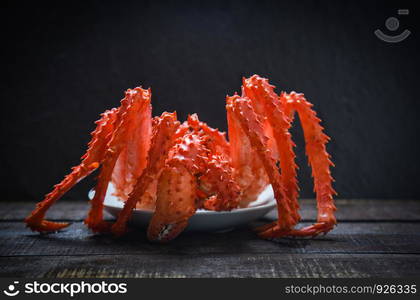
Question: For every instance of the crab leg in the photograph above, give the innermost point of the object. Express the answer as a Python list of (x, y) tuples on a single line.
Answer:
[(240, 112), (248, 173), (266, 103), (136, 104), (319, 160), (163, 138), (90, 162), (133, 157)]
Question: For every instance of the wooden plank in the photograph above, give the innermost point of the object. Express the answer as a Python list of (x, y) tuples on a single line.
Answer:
[(62, 210), (16, 240), (364, 210), (241, 265), (348, 210)]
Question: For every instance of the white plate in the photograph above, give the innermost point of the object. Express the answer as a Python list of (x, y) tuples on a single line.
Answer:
[(202, 220)]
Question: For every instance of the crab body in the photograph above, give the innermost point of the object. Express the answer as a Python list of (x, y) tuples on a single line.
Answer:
[(176, 168)]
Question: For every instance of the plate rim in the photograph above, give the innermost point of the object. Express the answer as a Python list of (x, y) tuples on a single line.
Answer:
[(116, 204)]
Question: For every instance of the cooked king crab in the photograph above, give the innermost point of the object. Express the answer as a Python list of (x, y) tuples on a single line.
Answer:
[(175, 169)]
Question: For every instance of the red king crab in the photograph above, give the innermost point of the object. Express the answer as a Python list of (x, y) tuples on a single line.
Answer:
[(174, 169)]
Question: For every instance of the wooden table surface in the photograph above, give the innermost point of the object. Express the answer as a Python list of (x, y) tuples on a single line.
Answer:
[(374, 238)]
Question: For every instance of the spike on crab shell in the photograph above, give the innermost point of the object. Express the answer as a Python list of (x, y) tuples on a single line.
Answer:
[(193, 119), (218, 179), (216, 140)]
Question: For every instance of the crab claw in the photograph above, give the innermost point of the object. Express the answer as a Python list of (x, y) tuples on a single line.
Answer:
[(175, 204), (177, 188)]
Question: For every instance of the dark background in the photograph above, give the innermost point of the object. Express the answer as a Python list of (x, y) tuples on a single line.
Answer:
[(65, 63)]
